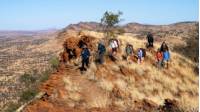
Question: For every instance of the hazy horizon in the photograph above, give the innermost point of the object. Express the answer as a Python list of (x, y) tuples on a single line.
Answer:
[(41, 15), (32, 30)]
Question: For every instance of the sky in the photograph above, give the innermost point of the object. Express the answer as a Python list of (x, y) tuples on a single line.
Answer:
[(48, 14)]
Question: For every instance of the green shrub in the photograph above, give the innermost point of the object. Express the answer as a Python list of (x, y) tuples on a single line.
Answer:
[(28, 78), (12, 107), (45, 75), (28, 95), (54, 61)]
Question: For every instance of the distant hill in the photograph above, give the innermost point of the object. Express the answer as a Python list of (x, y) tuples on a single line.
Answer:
[(14, 34)]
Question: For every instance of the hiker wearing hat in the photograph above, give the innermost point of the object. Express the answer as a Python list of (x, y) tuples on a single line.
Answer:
[(101, 51), (85, 54)]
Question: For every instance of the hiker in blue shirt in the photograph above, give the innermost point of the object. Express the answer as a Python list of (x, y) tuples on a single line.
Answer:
[(101, 52), (85, 54)]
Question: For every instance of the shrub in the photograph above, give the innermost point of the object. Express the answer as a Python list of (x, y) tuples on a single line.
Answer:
[(28, 78), (54, 61), (28, 95), (12, 107)]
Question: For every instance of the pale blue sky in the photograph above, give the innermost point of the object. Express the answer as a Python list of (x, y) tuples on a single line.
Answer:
[(44, 14)]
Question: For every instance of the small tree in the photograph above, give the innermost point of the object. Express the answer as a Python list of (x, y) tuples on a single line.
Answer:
[(109, 21)]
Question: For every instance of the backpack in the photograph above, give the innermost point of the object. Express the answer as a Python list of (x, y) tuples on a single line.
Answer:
[(140, 53), (150, 37), (159, 56), (129, 49), (116, 42), (101, 48), (166, 55), (143, 52), (85, 53)]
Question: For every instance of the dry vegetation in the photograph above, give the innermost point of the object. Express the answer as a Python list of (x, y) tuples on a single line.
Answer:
[(22, 54), (120, 86)]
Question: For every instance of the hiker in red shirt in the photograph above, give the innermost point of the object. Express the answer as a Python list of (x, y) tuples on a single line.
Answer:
[(159, 58)]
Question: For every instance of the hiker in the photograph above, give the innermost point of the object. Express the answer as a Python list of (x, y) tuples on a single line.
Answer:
[(166, 57), (164, 47), (129, 51), (114, 46), (101, 51), (159, 58), (85, 54), (150, 40), (140, 55)]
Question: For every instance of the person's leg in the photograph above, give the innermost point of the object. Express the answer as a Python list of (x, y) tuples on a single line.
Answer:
[(160, 64), (83, 62), (113, 50), (157, 64), (167, 64), (148, 44), (101, 58), (163, 63), (139, 60), (87, 62), (151, 44)]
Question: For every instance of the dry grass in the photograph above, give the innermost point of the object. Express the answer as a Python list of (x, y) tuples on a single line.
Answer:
[(179, 82)]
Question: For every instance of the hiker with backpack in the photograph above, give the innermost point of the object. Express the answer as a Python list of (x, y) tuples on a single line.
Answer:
[(101, 51), (85, 54), (159, 58), (166, 55), (150, 40), (129, 51), (114, 46)]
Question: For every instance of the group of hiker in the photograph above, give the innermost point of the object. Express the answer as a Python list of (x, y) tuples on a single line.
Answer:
[(162, 55)]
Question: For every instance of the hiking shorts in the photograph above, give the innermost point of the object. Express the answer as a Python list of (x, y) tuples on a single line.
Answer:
[(114, 49)]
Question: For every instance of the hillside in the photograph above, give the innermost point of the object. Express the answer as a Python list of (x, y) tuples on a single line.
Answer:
[(119, 86), (27, 51), (20, 53)]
